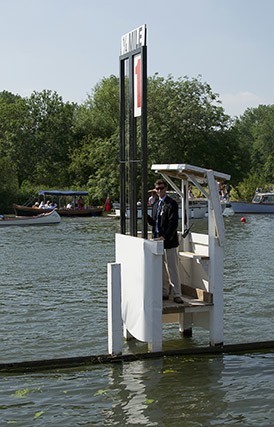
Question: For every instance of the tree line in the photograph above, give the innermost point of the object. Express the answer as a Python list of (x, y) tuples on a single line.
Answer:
[(46, 143)]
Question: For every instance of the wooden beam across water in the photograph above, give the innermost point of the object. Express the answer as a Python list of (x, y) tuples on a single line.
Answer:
[(88, 361)]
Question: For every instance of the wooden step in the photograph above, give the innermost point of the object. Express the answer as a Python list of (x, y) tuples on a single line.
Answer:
[(197, 294), (193, 255), (190, 305), (195, 299)]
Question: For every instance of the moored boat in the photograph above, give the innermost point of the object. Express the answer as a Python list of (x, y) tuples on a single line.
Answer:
[(262, 203), (46, 218), (23, 210), (198, 209), (67, 209)]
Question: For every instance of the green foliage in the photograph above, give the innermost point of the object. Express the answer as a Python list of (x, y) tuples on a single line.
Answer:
[(256, 139), (105, 180), (245, 190), (183, 117), (100, 112), (187, 124), (8, 184), (51, 122), (46, 143), (35, 134), (14, 132)]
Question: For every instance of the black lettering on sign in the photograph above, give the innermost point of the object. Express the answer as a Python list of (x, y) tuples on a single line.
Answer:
[(133, 40)]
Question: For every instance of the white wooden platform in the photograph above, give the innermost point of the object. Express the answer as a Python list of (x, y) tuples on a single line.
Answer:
[(139, 286)]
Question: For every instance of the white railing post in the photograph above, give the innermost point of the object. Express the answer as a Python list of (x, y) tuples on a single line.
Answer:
[(216, 232), (115, 326)]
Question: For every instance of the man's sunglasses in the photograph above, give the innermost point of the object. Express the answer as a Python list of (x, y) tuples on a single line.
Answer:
[(159, 188)]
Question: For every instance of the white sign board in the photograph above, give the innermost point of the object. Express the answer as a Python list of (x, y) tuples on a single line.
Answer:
[(133, 40)]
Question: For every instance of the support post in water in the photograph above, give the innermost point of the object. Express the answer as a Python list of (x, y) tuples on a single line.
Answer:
[(115, 326)]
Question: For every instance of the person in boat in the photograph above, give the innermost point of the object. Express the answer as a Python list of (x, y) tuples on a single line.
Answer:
[(227, 192), (108, 204), (80, 203), (36, 205), (42, 205), (190, 193), (52, 205), (164, 222)]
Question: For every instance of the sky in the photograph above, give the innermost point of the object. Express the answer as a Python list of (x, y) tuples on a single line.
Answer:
[(69, 46)]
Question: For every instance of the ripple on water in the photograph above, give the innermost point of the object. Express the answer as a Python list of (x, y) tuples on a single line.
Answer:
[(55, 289)]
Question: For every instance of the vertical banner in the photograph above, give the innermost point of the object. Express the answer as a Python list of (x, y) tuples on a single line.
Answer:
[(137, 64)]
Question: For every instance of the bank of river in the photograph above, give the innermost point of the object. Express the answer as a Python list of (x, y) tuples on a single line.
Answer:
[(54, 304)]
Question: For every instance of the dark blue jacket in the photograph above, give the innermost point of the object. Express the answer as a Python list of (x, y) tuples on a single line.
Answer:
[(168, 222)]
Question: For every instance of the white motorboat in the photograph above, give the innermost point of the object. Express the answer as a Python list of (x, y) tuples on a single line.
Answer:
[(262, 203), (198, 209), (48, 218)]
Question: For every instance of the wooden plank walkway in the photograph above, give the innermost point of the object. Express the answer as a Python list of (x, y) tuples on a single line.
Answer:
[(190, 305)]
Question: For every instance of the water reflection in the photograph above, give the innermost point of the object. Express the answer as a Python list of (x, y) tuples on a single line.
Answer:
[(171, 390)]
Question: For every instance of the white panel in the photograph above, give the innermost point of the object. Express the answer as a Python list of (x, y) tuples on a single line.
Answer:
[(141, 283)]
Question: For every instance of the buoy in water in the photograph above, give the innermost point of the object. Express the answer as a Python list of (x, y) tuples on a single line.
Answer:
[(243, 219)]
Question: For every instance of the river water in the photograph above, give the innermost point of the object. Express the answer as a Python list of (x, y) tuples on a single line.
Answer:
[(54, 304)]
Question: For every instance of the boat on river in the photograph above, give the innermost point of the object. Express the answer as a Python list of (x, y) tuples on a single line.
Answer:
[(262, 203), (198, 208), (63, 209), (46, 218)]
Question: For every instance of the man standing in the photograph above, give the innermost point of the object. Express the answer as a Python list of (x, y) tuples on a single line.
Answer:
[(164, 223)]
